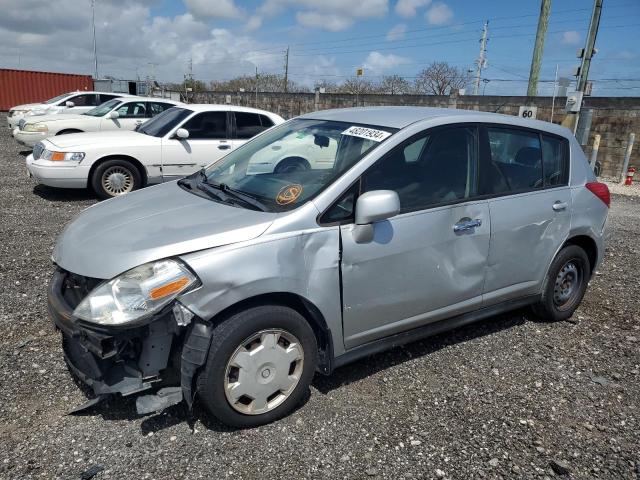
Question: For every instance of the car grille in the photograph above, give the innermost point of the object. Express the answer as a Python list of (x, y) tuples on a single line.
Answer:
[(21, 123), (37, 150)]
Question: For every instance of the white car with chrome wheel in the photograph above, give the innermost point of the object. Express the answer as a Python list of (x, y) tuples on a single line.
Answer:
[(172, 145), (125, 113), (72, 103)]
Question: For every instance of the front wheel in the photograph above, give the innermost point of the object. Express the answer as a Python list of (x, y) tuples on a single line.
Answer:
[(565, 284), (115, 177), (260, 364)]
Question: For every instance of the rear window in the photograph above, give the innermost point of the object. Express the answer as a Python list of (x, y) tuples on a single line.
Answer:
[(555, 157), (250, 124), (516, 160)]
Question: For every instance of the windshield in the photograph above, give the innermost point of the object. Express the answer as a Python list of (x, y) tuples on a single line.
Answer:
[(162, 124), (58, 98), (291, 163), (104, 108)]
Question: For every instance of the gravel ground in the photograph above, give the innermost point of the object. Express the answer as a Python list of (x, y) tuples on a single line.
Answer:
[(509, 397)]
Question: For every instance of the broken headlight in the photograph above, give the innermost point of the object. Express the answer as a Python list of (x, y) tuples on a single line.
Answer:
[(135, 293)]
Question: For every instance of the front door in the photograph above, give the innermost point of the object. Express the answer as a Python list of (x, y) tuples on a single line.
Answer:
[(427, 263), (130, 115), (526, 173), (207, 142)]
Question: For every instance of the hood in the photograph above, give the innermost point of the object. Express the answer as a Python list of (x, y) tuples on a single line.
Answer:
[(27, 106), (150, 224), (115, 139), (55, 117)]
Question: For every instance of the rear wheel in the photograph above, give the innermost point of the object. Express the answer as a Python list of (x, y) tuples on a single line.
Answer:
[(259, 366), (565, 284), (115, 177), (292, 164)]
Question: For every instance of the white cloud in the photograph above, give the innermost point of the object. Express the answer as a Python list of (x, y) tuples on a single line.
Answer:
[(332, 15), (377, 62), (325, 21), (397, 32), (407, 8), (254, 23), (213, 9), (128, 39), (571, 37), (439, 14)]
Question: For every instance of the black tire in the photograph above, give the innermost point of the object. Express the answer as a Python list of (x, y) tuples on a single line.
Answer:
[(229, 336), (292, 164), (66, 132), (104, 189), (571, 261)]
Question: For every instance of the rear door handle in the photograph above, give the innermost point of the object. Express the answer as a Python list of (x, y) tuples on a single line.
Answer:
[(559, 206), (466, 224), (224, 147)]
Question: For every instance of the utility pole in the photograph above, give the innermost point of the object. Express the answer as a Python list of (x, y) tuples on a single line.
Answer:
[(286, 70), (95, 50), (256, 86), (589, 49), (481, 62), (536, 60)]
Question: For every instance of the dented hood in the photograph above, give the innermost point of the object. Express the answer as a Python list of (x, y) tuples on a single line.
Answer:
[(149, 224)]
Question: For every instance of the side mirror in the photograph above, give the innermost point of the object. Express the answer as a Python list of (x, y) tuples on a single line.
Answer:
[(113, 114), (182, 133), (374, 207), (69, 104)]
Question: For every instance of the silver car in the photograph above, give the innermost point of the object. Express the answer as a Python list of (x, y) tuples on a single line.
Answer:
[(236, 284)]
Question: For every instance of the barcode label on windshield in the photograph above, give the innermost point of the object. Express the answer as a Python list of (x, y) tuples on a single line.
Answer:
[(368, 133)]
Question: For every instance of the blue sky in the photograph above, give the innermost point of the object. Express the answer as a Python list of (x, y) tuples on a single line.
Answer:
[(327, 39)]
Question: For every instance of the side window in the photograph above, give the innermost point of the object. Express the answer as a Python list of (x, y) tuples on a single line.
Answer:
[(207, 125), (516, 161), (133, 110), (343, 209), (554, 160), (105, 97), (428, 169), (84, 100), (266, 121), (248, 125), (158, 107)]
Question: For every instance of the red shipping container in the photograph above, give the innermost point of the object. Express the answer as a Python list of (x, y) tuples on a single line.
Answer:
[(24, 86)]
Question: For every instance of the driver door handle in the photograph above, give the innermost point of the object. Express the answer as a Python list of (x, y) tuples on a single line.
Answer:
[(224, 147), (559, 206), (466, 224)]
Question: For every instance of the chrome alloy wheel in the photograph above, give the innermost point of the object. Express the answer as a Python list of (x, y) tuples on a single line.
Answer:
[(263, 371), (567, 285), (117, 180)]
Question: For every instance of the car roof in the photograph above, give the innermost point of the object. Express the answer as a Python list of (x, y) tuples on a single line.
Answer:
[(401, 117), (148, 99), (207, 107)]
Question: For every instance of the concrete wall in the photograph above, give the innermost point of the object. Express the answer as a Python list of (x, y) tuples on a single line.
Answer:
[(613, 117)]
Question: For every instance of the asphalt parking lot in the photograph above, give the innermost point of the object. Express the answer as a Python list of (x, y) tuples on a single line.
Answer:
[(510, 397)]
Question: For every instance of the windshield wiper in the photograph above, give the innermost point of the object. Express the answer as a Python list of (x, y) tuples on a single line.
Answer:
[(228, 192)]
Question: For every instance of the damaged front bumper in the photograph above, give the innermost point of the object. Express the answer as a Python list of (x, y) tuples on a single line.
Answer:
[(127, 361)]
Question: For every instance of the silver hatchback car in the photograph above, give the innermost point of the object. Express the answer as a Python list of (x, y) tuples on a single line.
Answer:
[(383, 226)]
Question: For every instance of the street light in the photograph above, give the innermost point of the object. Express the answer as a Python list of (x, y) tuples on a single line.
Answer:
[(485, 81)]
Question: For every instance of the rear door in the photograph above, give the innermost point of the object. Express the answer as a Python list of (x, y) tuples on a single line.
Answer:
[(247, 125), (427, 263), (525, 175), (208, 142)]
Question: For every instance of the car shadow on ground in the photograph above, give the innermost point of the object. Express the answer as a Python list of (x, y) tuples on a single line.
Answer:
[(120, 408), (25, 153), (63, 194)]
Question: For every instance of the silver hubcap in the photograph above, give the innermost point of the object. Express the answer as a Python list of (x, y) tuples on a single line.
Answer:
[(117, 180), (567, 284), (263, 371)]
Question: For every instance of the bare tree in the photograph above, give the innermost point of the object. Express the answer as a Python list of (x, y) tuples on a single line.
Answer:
[(267, 82), (394, 84), (357, 85), (439, 78)]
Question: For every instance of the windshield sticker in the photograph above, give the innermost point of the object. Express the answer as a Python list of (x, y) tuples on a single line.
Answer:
[(368, 133), (288, 194)]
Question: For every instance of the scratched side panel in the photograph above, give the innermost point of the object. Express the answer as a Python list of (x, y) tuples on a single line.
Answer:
[(305, 263)]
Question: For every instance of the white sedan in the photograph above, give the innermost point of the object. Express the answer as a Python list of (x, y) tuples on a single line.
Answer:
[(174, 144), (73, 102), (125, 113)]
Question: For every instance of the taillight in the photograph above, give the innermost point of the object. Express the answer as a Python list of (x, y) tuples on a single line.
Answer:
[(601, 191)]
